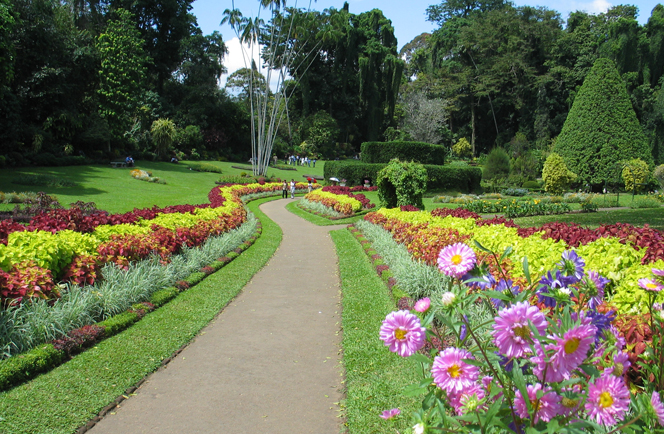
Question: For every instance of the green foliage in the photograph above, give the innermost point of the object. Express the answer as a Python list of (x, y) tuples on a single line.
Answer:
[(188, 138), (497, 165), (117, 323), (645, 202), (204, 167), (601, 128), (635, 172), (163, 133), (16, 370), (526, 166), (320, 132), (402, 183), (557, 177), (462, 148), (460, 178), (163, 296), (383, 152), (658, 174)]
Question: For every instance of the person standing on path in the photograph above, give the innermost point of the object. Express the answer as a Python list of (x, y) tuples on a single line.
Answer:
[(292, 189), (284, 190), (309, 186)]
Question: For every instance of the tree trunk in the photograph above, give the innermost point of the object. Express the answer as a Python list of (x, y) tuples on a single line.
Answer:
[(472, 122)]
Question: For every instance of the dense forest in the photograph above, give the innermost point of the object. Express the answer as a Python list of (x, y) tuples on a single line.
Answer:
[(89, 78)]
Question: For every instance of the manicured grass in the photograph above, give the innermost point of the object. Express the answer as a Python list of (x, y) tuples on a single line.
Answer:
[(67, 397), (637, 217), (114, 190), (375, 377)]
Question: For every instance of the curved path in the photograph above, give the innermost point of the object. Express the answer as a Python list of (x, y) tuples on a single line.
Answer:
[(269, 363)]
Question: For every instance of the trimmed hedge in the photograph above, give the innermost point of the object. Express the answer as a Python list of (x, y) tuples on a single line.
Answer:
[(465, 179), (383, 152)]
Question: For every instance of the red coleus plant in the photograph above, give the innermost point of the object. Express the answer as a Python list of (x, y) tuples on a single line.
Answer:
[(83, 270)]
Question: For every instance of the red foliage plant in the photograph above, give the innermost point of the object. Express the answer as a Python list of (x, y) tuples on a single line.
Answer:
[(76, 340), (83, 270)]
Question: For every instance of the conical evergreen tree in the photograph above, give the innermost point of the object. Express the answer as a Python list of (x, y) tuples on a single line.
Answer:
[(601, 128)]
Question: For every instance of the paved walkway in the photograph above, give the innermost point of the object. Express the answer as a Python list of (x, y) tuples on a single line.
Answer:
[(269, 363)]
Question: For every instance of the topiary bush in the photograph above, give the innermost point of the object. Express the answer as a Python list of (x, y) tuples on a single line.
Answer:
[(635, 173), (461, 148), (402, 183), (557, 177), (497, 165)]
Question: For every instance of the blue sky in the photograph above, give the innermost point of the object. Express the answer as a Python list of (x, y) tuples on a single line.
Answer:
[(408, 17)]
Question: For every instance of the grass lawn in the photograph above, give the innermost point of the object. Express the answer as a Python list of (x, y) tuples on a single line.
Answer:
[(67, 397), (114, 190), (637, 217)]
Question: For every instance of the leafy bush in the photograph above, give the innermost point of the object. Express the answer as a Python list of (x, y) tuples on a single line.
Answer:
[(384, 152), (526, 166), (43, 180), (204, 167), (555, 174), (514, 208), (497, 165), (589, 206), (658, 174), (533, 185), (635, 173), (515, 192), (402, 183), (458, 178), (462, 148)]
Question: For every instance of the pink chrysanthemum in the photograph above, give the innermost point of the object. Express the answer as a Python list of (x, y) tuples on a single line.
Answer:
[(422, 305), (512, 334), (658, 272), (403, 333), (456, 260), (650, 285), (571, 350), (390, 414), (620, 364), (658, 407), (451, 373), (468, 399), (544, 369), (545, 408), (608, 399)]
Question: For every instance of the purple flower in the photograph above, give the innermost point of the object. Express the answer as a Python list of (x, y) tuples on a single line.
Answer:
[(620, 364), (545, 408), (507, 287), (650, 285), (468, 399), (552, 285), (390, 414), (484, 281), (456, 260), (451, 373), (657, 406), (463, 330), (571, 349), (595, 285), (511, 332), (422, 305), (572, 266), (608, 399), (403, 333), (601, 321)]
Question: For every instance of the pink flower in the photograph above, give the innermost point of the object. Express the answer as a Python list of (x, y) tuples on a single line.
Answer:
[(545, 408), (658, 272), (650, 285), (402, 332), (511, 332), (390, 414), (468, 399), (422, 305), (608, 399), (544, 369), (456, 260), (451, 373), (571, 350), (620, 364), (656, 403)]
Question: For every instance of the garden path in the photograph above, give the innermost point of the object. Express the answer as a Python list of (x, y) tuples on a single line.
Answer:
[(269, 363)]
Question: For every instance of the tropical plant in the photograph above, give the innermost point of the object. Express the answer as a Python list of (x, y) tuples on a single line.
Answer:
[(163, 133)]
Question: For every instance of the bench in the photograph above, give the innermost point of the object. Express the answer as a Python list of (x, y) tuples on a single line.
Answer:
[(118, 164)]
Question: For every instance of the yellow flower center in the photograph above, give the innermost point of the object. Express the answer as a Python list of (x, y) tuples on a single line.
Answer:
[(537, 404), (522, 332), (400, 334), (456, 259), (651, 285), (454, 371), (618, 369), (605, 400), (568, 402), (572, 345)]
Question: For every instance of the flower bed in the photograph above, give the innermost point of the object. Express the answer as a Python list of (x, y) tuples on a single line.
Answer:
[(517, 208), (341, 199)]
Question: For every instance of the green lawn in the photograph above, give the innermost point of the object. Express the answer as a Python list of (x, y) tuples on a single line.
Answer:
[(114, 190)]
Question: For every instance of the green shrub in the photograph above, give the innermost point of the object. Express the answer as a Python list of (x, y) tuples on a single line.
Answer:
[(532, 185), (658, 174), (635, 172), (203, 167), (462, 148), (589, 206), (557, 177), (384, 152), (606, 201), (22, 367), (458, 178), (163, 296), (645, 202), (402, 183), (497, 165), (117, 323), (601, 127)]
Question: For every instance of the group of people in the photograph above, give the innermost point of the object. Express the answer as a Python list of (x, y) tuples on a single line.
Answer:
[(285, 187), (302, 161)]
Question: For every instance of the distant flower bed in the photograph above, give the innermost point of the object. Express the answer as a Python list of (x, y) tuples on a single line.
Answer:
[(340, 199), (517, 208), (144, 175)]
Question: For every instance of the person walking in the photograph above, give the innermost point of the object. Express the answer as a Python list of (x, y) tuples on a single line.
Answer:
[(284, 190), (292, 189), (310, 187)]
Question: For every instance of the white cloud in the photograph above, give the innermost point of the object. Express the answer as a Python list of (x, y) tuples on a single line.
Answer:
[(592, 7), (239, 56)]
